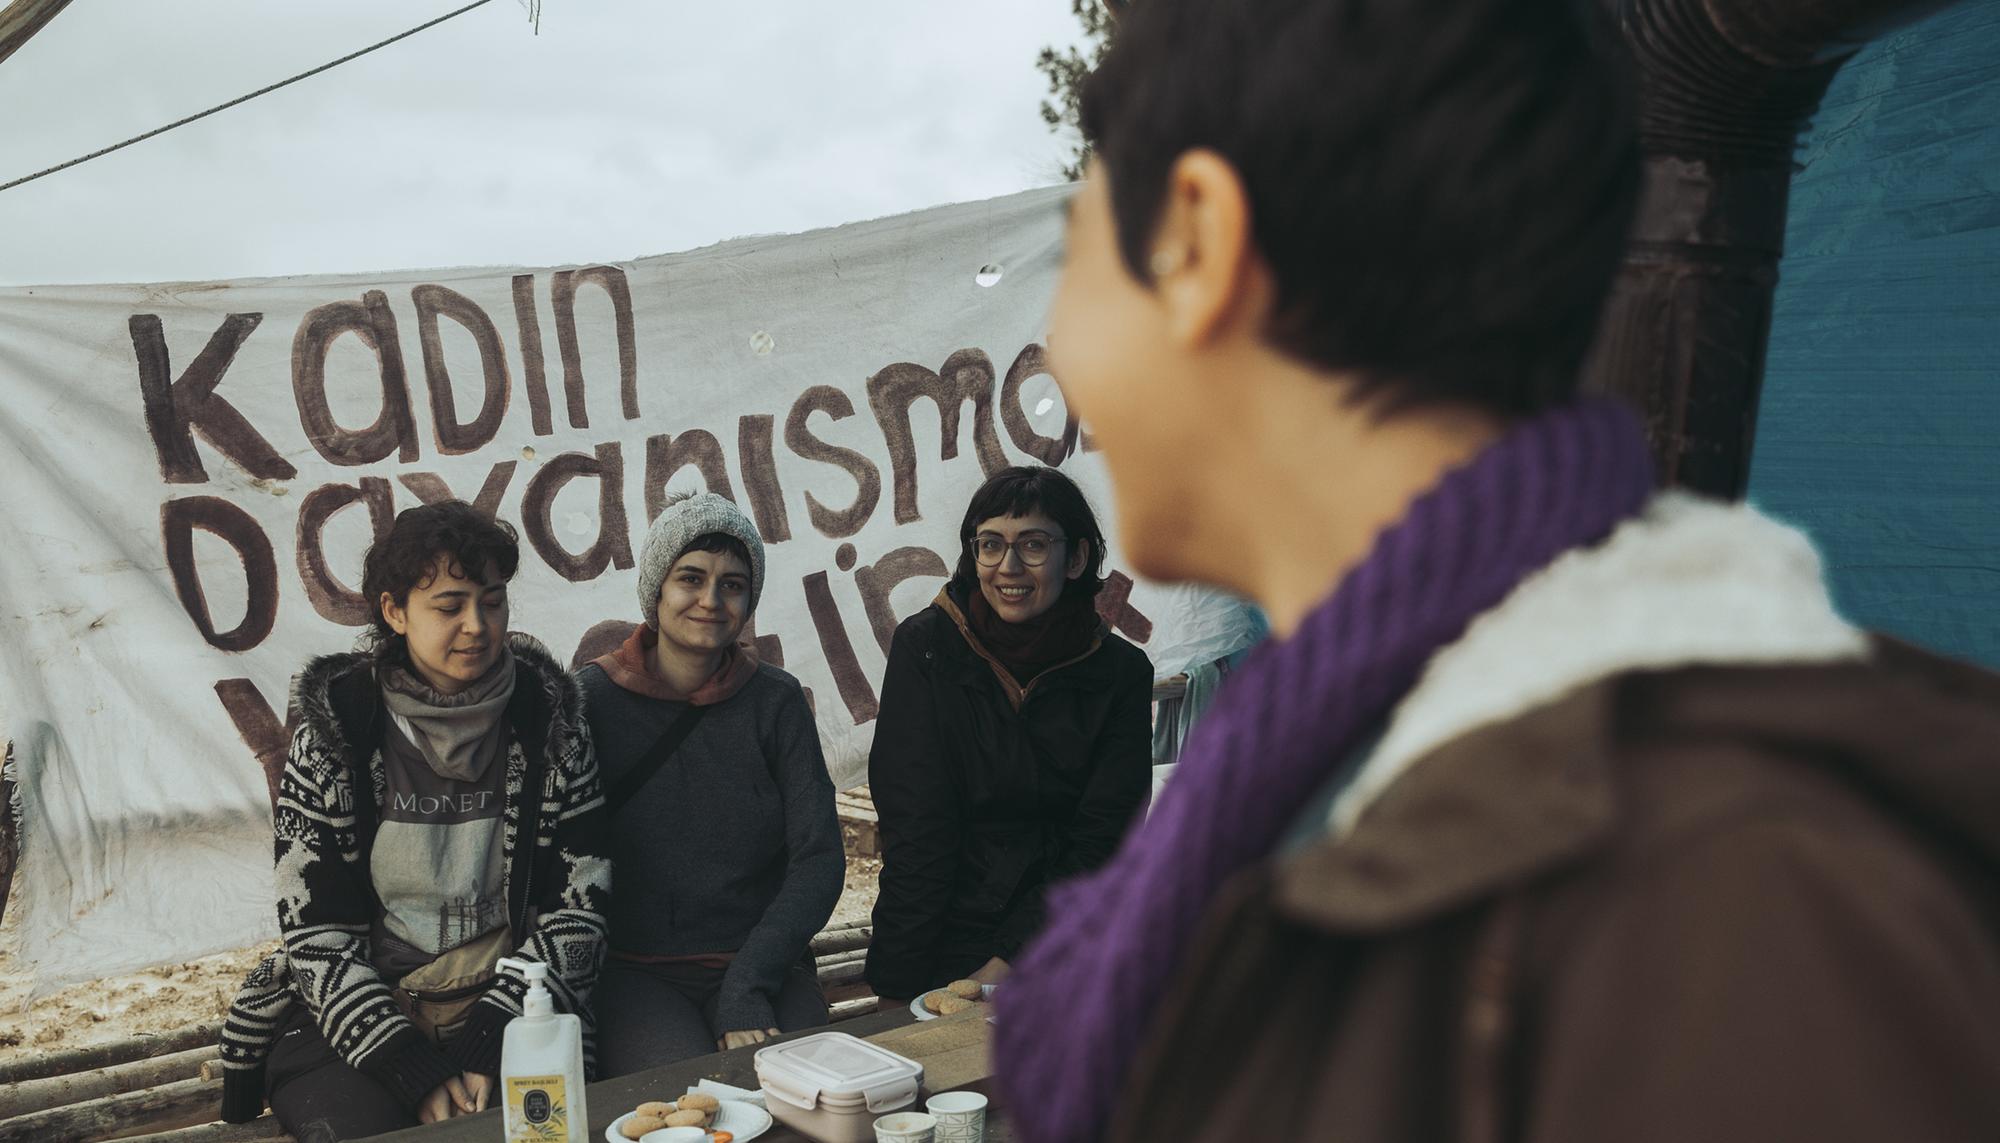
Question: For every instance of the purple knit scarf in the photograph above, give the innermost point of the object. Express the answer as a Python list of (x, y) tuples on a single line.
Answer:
[(1071, 1016)]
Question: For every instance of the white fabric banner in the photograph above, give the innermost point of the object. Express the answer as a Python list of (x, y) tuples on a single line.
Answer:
[(193, 471)]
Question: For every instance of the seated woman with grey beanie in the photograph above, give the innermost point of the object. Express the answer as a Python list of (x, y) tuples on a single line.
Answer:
[(722, 822)]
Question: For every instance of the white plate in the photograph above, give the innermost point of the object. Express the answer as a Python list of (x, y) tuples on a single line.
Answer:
[(746, 1121), (918, 1010)]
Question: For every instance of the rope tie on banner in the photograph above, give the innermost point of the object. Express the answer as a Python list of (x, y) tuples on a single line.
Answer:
[(535, 14)]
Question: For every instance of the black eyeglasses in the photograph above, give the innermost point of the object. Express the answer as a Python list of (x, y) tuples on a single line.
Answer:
[(1033, 549)]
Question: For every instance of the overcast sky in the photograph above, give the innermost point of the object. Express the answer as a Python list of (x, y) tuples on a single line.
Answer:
[(626, 128)]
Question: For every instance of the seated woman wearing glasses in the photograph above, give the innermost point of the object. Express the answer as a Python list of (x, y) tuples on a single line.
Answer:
[(1013, 745)]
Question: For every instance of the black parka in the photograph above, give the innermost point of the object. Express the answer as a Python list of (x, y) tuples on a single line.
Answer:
[(988, 791)]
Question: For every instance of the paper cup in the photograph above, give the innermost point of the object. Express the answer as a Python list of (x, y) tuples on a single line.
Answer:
[(906, 1127), (960, 1115), (674, 1135)]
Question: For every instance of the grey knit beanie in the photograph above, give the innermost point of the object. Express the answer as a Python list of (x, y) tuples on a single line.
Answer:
[(682, 524)]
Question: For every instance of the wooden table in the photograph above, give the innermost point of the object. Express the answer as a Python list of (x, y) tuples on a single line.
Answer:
[(952, 1050)]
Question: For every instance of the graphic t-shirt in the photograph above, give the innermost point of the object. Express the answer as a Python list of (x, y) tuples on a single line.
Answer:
[(437, 862)]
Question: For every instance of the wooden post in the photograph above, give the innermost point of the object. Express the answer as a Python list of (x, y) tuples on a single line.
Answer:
[(33, 1095), (841, 940), (842, 968), (181, 1104), (105, 1055), (10, 825), (847, 1008), (22, 19), (1725, 88)]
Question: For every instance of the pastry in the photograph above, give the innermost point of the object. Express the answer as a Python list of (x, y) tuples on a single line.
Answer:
[(952, 1005), (934, 998), (656, 1109), (966, 989), (640, 1124), (700, 1101), (687, 1117)]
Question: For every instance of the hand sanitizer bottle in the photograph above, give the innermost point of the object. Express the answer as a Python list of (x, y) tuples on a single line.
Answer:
[(541, 1066)]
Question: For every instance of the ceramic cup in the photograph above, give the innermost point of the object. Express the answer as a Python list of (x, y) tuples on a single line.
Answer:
[(960, 1115), (906, 1127)]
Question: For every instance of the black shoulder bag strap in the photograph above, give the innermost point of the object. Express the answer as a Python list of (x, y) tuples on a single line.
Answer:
[(669, 741), (531, 725), (357, 705)]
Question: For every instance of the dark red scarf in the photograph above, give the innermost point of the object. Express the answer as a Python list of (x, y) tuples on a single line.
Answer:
[(1054, 637)]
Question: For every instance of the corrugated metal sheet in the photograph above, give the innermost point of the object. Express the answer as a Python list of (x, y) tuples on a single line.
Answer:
[(1879, 427)]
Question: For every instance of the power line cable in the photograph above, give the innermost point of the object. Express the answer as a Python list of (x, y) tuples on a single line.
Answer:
[(246, 98)]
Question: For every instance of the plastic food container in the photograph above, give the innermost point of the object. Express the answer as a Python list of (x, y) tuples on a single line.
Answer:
[(832, 1086)]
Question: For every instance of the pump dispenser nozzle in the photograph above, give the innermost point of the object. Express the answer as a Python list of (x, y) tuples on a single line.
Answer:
[(538, 1003)]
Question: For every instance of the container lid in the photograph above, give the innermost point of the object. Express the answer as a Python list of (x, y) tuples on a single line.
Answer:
[(835, 1069)]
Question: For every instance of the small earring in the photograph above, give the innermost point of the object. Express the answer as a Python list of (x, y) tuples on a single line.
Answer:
[(1165, 262)]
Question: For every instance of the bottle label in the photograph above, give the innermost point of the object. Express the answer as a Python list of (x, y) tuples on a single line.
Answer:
[(537, 1109)]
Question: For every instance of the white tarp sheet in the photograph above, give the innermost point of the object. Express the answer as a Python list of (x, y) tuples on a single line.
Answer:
[(192, 471)]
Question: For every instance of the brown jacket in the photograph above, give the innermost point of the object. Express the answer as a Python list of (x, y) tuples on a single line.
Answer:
[(1737, 903)]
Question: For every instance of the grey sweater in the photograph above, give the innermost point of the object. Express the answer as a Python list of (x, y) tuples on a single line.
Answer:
[(733, 846)]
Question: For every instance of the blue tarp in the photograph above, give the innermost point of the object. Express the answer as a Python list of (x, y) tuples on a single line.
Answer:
[(1879, 428)]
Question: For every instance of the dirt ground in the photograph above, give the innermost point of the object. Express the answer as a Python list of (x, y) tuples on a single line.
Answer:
[(173, 997)]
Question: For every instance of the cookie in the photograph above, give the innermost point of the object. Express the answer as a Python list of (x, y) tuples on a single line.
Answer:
[(952, 1005), (640, 1124), (966, 989), (687, 1117), (700, 1101), (933, 999), (655, 1109)]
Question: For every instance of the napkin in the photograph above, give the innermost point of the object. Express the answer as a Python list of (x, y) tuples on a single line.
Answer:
[(729, 1091)]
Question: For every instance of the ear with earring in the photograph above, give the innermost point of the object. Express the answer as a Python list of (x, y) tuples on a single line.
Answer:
[(1165, 262)]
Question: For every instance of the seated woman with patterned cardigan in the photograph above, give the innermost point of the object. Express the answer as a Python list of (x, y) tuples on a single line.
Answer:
[(440, 809)]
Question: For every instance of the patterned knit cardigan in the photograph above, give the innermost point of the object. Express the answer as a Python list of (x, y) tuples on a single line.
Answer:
[(558, 897)]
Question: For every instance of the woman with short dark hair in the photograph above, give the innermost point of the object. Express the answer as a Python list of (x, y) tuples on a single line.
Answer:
[(1014, 743), (1556, 810), (440, 809)]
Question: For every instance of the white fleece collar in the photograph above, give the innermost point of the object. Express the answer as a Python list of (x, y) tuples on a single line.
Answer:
[(1688, 582)]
